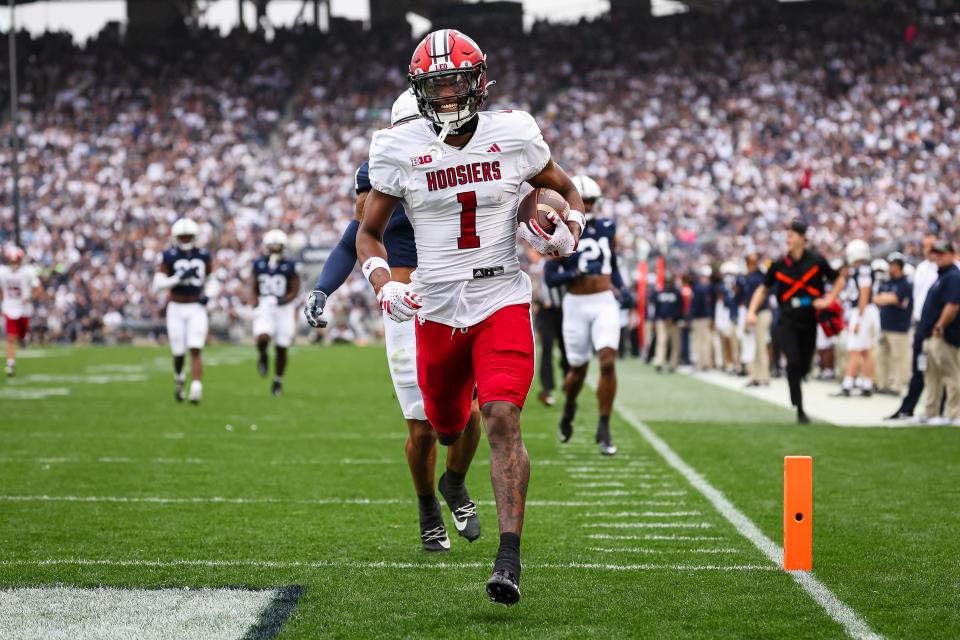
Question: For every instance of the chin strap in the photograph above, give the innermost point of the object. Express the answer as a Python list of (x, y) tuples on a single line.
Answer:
[(435, 148)]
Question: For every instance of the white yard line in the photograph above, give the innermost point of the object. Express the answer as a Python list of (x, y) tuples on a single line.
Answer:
[(615, 476), (648, 525), (607, 536), (598, 485), (306, 501), (277, 564), (850, 620), (644, 514), (665, 551), (216, 461)]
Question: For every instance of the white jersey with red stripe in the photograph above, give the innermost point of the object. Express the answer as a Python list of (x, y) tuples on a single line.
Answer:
[(17, 285), (462, 204)]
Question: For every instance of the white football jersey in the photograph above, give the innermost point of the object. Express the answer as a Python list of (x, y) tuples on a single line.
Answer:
[(462, 204), (17, 285)]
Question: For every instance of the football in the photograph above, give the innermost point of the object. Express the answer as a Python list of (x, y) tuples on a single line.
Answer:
[(537, 204)]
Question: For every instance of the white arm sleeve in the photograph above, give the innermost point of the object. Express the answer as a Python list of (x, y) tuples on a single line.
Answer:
[(162, 281), (386, 172), (536, 153)]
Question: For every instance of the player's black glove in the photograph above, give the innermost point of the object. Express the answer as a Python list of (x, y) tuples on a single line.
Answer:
[(313, 310)]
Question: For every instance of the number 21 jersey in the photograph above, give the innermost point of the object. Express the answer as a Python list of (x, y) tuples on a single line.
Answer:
[(462, 204)]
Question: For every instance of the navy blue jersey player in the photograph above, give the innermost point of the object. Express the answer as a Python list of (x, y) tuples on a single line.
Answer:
[(591, 313), (275, 287), (401, 357), (183, 270)]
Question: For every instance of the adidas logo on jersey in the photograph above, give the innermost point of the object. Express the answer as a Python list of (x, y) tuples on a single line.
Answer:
[(494, 148), (486, 272)]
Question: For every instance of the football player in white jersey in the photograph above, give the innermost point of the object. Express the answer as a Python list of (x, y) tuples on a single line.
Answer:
[(401, 343), (276, 284), (18, 283), (458, 173), (183, 270)]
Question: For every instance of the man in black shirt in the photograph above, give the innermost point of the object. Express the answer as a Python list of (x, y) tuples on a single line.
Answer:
[(799, 280)]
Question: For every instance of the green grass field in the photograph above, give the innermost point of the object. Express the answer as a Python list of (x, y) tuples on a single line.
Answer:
[(105, 481)]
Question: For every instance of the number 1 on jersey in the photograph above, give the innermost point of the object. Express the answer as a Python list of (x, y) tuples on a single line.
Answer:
[(468, 220)]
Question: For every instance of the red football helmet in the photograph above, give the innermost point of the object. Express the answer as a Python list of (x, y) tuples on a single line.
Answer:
[(448, 73), (14, 255)]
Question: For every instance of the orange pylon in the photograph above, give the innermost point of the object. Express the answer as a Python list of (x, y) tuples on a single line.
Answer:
[(798, 513)]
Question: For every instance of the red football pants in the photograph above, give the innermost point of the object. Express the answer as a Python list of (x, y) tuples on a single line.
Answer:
[(496, 356), (18, 327)]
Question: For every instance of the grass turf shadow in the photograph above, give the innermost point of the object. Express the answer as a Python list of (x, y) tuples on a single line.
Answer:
[(275, 614)]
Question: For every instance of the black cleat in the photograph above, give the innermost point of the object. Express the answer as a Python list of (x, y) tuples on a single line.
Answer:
[(178, 390), (262, 366), (434, 539), (802, 418), (866, 393), (503, 587), (11, 371), (566, 430), (277, 388), (843, 393), (433, 535), (899, 415), (463, 509)]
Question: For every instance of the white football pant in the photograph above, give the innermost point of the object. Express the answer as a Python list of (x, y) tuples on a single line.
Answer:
[(186, 326), (590, 323)]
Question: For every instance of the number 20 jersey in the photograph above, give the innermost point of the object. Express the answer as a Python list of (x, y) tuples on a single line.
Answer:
[(463, 208), (273, 279)]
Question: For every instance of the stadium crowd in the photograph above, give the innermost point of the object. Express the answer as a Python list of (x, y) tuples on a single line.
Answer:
[(705, 138)]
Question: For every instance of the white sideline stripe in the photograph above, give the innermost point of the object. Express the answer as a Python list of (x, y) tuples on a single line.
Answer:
[(607, 536), (349, 564), (852, 623), (646, 525), (315, 501)]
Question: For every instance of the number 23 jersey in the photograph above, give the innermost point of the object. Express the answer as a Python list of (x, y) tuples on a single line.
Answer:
[(462, 205), (193, 267)]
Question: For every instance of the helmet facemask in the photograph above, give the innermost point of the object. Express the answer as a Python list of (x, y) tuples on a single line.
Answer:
[(450, 97), (185, 242), (589, 208)]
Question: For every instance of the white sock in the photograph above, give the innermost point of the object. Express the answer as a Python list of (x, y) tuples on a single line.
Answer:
[(847, 383), (11, 362), (866, 384), (180, 377), (196, 385)]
